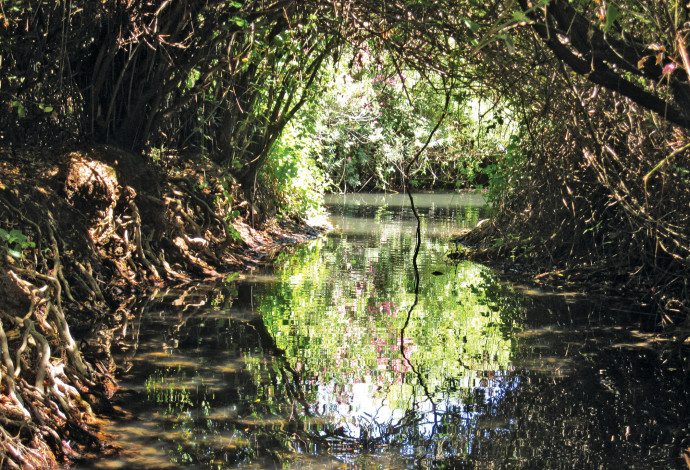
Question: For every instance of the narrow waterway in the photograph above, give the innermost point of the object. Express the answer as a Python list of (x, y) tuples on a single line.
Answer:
[(330, 360)]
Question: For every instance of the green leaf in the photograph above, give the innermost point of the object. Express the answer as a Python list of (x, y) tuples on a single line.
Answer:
[(4, 235), (508, 39), (520, 16), (474, 27), (612, 15), (48, 109), (14, 253), (16, 236)]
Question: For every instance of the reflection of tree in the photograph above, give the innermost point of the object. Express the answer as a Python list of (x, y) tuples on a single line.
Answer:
[(224, 389), (240, 389), (343, 364), (351, 319), (615, 408), (415, 268)]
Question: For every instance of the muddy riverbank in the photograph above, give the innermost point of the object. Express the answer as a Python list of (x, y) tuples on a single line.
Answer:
[(84, 233)]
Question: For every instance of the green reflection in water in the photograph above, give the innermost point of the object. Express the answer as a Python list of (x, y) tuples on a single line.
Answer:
[(331, 360), (489, 378), (326, 358), (341, 302)]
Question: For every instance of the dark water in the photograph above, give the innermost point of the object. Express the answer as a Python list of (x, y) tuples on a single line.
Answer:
[(331, 361)]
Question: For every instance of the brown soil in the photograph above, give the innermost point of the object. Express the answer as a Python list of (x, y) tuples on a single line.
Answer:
[(86, 231)]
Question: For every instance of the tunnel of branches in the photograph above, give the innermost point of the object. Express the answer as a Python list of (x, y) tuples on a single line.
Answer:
[(596, 187)]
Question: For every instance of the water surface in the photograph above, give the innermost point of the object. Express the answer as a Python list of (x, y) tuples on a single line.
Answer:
[(333, 359)]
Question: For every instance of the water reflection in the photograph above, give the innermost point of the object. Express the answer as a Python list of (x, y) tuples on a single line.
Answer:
[(305, 366)]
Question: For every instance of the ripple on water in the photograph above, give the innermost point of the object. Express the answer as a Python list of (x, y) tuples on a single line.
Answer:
[(330, 361)]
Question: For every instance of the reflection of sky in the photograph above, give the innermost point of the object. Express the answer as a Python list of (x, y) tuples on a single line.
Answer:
[(362, 407), (359, 407), (355, 406), (358, 373)]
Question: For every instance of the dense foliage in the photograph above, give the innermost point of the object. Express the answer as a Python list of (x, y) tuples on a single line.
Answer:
[(595, 176), (575, 114), (599, 184), (221, 77), (372, 118)]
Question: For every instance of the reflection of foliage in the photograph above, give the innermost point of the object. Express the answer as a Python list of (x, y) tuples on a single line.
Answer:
[(225, 400), (323, 371), (341, 303), (614, 408), (162, 388)]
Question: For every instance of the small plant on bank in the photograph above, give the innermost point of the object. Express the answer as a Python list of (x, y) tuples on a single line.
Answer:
[(225, 202), (15, 243)]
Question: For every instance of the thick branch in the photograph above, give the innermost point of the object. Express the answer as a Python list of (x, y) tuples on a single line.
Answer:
[(590, 62)]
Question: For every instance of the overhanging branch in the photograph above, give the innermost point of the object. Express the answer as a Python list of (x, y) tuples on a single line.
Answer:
[(597, 57)]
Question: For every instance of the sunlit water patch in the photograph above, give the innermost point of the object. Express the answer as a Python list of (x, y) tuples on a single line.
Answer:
[(342, 312), (333, 359)]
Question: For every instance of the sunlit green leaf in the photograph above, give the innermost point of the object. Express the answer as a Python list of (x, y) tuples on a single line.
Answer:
[(612, 15), (520, 16), (474, 27)]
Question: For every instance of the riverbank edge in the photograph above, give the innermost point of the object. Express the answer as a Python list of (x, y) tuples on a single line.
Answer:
[(617, 286), (86, 231)]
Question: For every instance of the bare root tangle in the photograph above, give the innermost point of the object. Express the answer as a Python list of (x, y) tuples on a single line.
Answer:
[(137, 240), (208, 212), (36, 349), (88, 275), (42, 369), (9, 377), (65, 288), (67, 295)]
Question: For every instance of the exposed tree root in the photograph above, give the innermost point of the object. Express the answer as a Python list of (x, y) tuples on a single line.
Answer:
[(99, 223)]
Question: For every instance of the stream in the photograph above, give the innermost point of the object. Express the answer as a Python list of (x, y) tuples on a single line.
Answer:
[(329, 360)]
